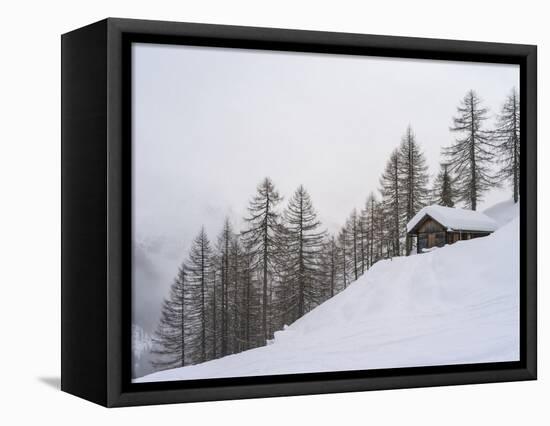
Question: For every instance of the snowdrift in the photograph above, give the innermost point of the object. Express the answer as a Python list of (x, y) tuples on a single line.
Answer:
[(455, 305)]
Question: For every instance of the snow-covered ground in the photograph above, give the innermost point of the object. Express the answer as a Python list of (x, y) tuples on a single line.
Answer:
[(503, 212), (457, 304)]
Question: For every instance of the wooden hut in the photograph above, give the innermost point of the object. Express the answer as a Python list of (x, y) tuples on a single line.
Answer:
[(435, 226)]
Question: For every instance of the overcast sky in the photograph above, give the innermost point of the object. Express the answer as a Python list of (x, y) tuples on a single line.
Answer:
[(210, 123)]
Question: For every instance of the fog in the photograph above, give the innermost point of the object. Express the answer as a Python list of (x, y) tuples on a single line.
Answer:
[(210, 123)]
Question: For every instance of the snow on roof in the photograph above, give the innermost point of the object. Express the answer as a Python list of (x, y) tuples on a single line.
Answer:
[(455, 219)]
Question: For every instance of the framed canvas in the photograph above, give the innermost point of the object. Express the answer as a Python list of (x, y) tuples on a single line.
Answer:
[(255, 212)]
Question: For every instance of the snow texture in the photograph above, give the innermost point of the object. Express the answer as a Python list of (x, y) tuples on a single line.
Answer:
[(503, 212), (456, 305), (455, 219)]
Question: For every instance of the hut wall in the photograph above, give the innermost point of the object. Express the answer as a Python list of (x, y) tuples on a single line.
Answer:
[(430, 226), (431, 234)]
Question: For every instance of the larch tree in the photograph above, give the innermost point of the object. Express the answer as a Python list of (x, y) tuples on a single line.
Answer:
[(413, 180), (370, 229), (248, 304), (444, 191), (329, 267), (261, 238), (353, 243), (363, 240), (213, 299), (507, 139), (169, 348), (200, 276), (471, 155), (223, 260), (283, 306), (235, 282), (382, 236), (343, 256), (392, 202), (304, 238)]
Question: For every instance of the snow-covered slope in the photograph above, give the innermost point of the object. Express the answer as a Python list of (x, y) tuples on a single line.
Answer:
[(503, 212), (457, 304)]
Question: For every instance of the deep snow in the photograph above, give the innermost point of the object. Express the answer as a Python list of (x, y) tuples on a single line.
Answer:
[(503, 212), (457, 304)]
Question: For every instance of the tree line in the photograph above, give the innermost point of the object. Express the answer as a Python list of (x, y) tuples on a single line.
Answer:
[(234, 293)]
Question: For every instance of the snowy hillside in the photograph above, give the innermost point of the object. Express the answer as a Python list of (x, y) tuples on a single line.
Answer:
[(504, 212), (457, 304)]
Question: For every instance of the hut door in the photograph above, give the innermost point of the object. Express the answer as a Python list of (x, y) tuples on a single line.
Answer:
[(431, 240)]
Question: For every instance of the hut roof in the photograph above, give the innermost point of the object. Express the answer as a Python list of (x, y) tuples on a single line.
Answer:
[(455, 219)]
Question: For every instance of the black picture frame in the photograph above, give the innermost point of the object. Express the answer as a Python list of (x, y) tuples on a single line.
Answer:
[(96, 211)]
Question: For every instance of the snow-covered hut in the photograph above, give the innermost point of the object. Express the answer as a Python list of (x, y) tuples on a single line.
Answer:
[(435, 226)]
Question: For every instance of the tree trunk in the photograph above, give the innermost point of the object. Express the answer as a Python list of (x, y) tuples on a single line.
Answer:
[(265, 258), (473, 188), (516, 162), (214, 325), (203, 311), (183, 323)]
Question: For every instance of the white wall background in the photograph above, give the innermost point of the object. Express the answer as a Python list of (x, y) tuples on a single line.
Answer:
[(30, 194)]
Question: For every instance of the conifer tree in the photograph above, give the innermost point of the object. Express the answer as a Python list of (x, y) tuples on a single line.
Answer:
[(248, 302), (261, 239), (371, 225), (471, 155), (353, 243), (169, 341), (343, 257), (214, 312), (235, 282), (200, 275), (224, 242), (444, 193), (392, 202), (304, 240), (284, 307), (413, 180), (329, 267), (363, 240), (382, 236), (507, 139)]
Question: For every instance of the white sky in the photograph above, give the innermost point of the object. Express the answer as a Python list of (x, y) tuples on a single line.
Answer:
[(210, 123)]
